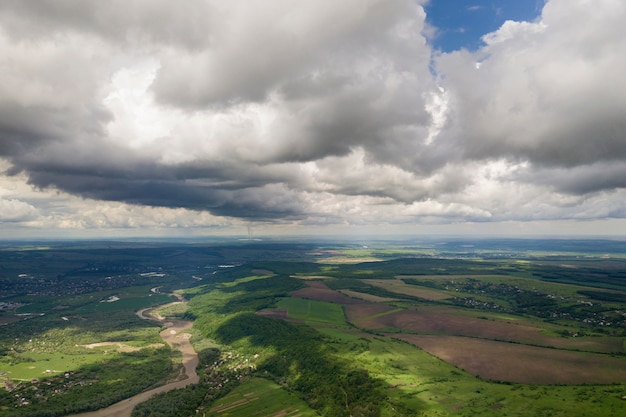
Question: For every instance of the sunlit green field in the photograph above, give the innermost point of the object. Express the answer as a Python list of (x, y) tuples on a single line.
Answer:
[(52, 342), (260, 397), (41, 365), (313, 312), (424, 382)]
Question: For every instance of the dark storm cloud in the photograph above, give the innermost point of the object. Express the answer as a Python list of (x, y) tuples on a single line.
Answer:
[(581, 180), (112, 173), (281, 109), (244, 203), (48, 92), (25, 130), (185, 23)]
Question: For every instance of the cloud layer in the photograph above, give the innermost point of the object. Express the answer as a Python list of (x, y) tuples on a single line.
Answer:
[(313, 112)]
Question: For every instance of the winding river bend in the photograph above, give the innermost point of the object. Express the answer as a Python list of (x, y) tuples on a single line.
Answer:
[(176, 336)]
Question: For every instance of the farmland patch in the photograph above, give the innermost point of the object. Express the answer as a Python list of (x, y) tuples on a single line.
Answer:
[(452, 322), (358, 312), (367, 297), (400, 287), (312, 312), (260, 397), (317, 290), (519, 363)]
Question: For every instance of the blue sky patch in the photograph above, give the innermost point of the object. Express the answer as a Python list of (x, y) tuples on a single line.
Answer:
[(462, 23)]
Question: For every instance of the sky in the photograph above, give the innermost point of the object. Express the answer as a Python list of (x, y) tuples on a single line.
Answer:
[(204, 117), (462, 23)]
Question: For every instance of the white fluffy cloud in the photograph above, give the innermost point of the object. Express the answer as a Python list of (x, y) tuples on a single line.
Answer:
[(16, 211), (551, 92), (200, 112)]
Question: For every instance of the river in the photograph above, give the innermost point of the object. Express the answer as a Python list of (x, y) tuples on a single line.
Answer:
[(176, 336)]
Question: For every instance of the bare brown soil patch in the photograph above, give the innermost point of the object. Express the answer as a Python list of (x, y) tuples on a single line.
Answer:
[(398, 286), (367, 297), (452, 322), (355, 313), (519, 363), (318, 284), (318, 291), (446, 322)]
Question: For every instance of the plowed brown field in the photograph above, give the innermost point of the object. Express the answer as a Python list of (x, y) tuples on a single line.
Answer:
[(319, 291), (519, 363), (451, 322), (512, 350)]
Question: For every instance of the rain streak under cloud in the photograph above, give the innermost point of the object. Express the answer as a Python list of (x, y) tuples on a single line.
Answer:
[(159, 116)]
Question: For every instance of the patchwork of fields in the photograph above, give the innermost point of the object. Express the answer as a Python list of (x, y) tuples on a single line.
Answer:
[(513, 350), (359, 332)]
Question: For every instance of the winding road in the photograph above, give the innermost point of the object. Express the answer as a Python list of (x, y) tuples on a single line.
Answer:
[(176, 336)]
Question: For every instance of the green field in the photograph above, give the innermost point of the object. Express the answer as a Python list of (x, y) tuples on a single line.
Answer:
[(313, 312), (40, 365), (426, 383), (260, 397)]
